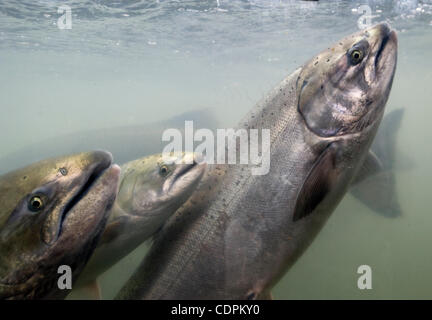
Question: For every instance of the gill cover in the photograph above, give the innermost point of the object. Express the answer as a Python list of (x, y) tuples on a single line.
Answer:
[(332, 99)]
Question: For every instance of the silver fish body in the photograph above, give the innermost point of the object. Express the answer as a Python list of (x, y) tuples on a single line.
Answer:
[(239, 233)]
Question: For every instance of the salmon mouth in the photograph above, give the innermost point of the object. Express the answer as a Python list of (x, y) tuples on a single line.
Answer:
[(95, 172), (190, 172), (385, 58)]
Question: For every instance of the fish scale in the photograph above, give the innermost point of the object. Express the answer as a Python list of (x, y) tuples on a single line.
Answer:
[(240, 233), (206, 228)]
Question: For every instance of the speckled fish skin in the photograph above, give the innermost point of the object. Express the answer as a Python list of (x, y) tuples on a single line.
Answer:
[(239, 233), (146, 199), (53, 213)]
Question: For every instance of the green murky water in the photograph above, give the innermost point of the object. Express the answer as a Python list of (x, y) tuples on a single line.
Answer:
[(132, 62)]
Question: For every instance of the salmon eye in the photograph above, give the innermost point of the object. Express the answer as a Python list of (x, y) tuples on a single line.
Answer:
[(163, 170), (356, 56), (35, 204)]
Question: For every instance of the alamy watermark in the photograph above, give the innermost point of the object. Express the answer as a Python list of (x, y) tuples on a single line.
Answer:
[(64, 22), (229, 145), (365, 280), (64, 282), (365, 20)]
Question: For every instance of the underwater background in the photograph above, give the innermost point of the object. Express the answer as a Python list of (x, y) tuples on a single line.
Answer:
[(127, 63)]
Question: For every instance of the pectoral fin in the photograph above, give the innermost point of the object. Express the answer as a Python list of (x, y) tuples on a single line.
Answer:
[(266, 296), (318, 183), (378, 192), (374, 184), (371, 166), (93, 291), (384, 144), (113, 229)]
